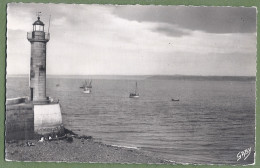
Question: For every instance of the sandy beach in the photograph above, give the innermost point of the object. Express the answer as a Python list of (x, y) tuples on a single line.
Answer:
[(77, 150)]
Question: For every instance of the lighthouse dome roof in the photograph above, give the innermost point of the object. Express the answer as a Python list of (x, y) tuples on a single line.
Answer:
[(38, 22)]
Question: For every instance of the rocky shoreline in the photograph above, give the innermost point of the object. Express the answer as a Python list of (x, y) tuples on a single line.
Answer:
[(75, 148)]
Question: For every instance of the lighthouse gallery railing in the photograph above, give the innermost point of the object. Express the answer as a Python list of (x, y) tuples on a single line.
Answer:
[(33, 35)]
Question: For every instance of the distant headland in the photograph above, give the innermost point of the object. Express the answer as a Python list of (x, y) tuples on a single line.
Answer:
[(151, 77), (201, 78)]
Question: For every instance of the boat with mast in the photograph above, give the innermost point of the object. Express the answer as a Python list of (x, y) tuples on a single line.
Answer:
[(87, 87), (135, 94)]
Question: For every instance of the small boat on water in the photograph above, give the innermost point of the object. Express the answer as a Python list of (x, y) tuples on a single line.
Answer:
[(57, 85), (175, 99), (87, 87), (135, 94), (86, 90)]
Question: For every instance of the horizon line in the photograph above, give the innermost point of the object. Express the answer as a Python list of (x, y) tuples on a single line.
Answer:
[(137, 75)]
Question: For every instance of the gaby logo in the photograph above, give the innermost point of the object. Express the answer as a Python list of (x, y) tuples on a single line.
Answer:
[(244, 154)]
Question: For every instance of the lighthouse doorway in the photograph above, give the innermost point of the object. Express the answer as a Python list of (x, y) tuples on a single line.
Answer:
[(31, 94)]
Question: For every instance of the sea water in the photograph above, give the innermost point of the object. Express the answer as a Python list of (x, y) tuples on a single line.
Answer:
[(210, 124)]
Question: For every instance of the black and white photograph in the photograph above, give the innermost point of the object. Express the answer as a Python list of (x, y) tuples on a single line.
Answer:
[(153, 84)]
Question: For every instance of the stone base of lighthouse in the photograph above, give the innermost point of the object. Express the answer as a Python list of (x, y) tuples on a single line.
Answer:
[(47, 118), (25, 120)]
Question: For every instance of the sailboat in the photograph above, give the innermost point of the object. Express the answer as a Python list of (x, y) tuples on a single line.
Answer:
[(87, 87), (135, 94)]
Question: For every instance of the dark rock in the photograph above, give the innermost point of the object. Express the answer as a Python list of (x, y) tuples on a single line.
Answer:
[(69, 139), (66, 131), (85, 137)]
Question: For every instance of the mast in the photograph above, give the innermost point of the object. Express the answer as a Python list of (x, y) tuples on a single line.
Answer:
[(86, 83), (49, 23), (135, 87), (90, 84)]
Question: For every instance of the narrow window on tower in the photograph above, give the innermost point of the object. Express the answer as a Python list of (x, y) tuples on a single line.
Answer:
[(41, 68), (32, 74)]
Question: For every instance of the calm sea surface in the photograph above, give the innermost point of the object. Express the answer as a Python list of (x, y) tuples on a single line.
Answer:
[(212, 122)]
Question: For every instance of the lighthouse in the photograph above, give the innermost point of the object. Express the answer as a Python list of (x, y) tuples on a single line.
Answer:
[(38, 39), (37, 113)]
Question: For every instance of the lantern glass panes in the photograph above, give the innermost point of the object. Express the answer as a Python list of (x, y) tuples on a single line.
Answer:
[(38, 28)]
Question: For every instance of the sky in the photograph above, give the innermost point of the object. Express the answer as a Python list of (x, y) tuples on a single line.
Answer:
[(136, 39)]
